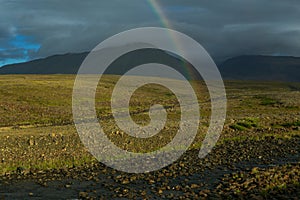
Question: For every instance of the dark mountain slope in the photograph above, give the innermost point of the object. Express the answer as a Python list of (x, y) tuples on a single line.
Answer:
[(270, 68), (70, 63), (251, 67), (57, 64)]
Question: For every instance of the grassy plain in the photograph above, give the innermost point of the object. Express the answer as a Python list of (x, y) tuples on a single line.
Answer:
[(37, 130), (36, 126)]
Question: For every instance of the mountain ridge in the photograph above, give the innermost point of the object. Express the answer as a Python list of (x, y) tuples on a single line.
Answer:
[(243, 67), (262, 67)]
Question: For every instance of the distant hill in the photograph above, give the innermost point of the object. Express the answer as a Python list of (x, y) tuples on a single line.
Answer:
[(70, 63), (269, 68), (250, 67), (57, 64)]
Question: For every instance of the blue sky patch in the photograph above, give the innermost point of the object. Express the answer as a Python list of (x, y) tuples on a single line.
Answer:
[(18, 49)]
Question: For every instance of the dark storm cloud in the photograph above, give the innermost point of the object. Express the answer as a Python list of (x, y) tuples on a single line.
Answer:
[(230, 28), (69, 26), (224, 28)]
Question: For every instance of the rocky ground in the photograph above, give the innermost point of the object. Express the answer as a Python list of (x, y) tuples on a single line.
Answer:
[(257, 169)]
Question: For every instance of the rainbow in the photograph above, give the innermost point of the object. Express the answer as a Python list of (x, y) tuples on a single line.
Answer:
[(160, 14), (157, 9)]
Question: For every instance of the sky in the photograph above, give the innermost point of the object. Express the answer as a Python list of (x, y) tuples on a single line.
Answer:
[(31, 29)]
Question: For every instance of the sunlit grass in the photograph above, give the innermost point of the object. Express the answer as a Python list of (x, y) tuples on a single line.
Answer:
[(37, 130)]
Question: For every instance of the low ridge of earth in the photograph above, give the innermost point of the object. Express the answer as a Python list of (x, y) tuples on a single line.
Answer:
[(42, 157)]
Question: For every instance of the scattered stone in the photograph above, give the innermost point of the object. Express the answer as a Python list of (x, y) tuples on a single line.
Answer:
[(31, 142), (83, 194)]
